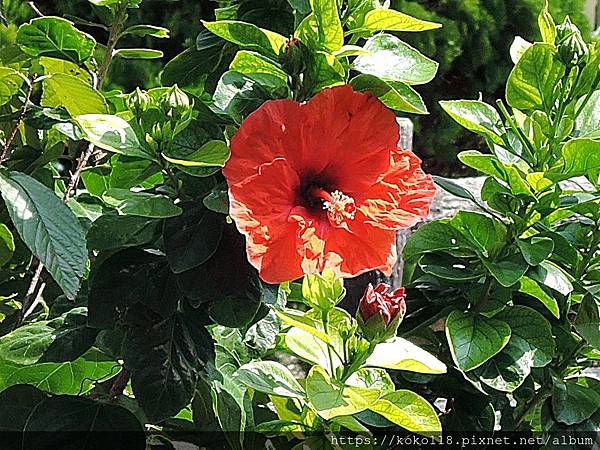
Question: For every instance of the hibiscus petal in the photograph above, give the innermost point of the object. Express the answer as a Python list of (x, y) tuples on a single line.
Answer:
[(403, 196)]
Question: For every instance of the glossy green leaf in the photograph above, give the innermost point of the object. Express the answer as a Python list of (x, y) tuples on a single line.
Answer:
[(394, 94), (250, 63), (400, 354), (532, 288), (573, 402), (247, 36), (531, 83), (581, 157), (474, 339), (331, 400), (552, 276), (536, 250), (530, 332), (587, 322), (373, 378), (143, 204), (10, 82), (138, 53), (410, 411), (331, 34), (113, 231), (147, 30), (476, 116), (508, 271), (392, 59), (192, 238), (382, 19), (211, 154), (271, 378), (486, 234), (75, 95), (111, 133), (48, 227), (587, 123), (547, 25), (488, 164), (57, 37), (69, 377), (435, 236), (508, 370)]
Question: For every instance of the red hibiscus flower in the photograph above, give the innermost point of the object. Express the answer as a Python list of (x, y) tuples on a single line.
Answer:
[(378, 300), (323, 184)]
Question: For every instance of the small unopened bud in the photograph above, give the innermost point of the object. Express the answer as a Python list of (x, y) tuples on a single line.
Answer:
[(572, 48), (293, 57), (138, 101), (174, 102), (380, 312)]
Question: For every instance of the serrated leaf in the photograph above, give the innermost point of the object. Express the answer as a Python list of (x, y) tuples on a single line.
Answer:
[(48, 227)]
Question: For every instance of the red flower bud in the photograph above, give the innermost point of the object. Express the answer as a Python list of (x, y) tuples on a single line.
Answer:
[(378, 300)]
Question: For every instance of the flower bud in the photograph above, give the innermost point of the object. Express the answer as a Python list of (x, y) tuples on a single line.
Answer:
[(572, 48), (174, 102), (138, 101), (323, 291), (292, 57), (380, 312)]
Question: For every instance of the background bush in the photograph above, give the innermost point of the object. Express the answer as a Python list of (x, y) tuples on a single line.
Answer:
[(472, 49)]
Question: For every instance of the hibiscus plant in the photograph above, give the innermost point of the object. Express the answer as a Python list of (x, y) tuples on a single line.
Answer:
[(166, 252), (512, 286)]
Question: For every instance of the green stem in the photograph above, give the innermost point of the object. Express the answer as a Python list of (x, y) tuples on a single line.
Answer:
[(581, 268), (113, 38), (520, 135), (325, 320)]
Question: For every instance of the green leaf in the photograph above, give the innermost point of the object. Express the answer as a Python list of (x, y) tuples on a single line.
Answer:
[(532, 288), (64, 338), (165, 365), (587, 322), (410, 411), (449, 268), (271, 378), (392, 59), (581, 157), (474, 339), (486, 234), (111, 133), (80, 418), (113, 231), (192, 238), (435, 236), (454, 188), (547, 25), (488, 164), (142, 204), (552, 276), (138, 53), (48, 227), (400, 354), (7, 244), (394, 94), (252, 63), (53, 66), (310, 348), (10, 83), (476, 116), (217, 200), (536, 250), (331, 400), (69, 377), (18, 401), (382, 19), (587, 123), (372, 378), (211, 154), (57, 37), (508, 271), (147, 30), (507, 370), (239, 95), (331, 34), (532, 81), (248, 36), (530, 332), (573, 402), (75, 95)]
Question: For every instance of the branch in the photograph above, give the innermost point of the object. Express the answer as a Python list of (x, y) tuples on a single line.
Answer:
[(31, 298), (6, 150)]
